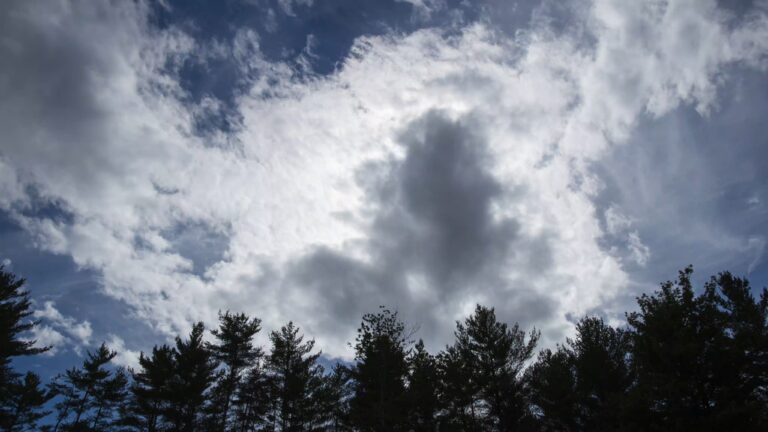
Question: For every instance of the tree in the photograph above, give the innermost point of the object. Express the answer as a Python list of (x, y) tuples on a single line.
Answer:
[(495, 356), (334, 398), (699, 361), (581, 386), (297, 381), (379, 402), (21, 400), (253, 400), (150, 390), (236, 352), (90, 395), (743, 394), (190, 382), (553, 390), (457, 392), (423, 404), (24, 402)]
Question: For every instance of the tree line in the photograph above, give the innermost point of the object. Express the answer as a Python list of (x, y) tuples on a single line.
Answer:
[(684, 361)]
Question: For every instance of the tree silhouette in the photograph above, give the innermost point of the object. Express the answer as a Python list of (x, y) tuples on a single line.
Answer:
[(334, 398), (423, 403), (686, 360), (150, 390), (253, 400), (553, 390), (297, 381), (188, 389), (234, 349), (581, 386), (493, 356), (23, 404), (699, 361), (14, 311), (379, 400), (91, 395)]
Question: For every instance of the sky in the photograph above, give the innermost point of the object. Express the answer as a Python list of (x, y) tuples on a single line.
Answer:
[(310, 160)]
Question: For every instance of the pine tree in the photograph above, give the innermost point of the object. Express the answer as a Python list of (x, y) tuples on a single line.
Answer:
[(553, 391), (235, 350), (150, 390), (297, 381), (188, 389), (252, 401), (742, 396), (334, 398), (379, 402), (699, 361), (90, 395), (24, 402), (495, 355), (457, 394), (599, 354), (581, 386), (423, 404), (21, 400)]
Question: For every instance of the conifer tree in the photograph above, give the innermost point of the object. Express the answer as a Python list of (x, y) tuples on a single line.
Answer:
[(694, 369), (582, 385), (21, 400), (252, 401), (553, 390), (496, 356), (90, 395), (150, 390), (379, 402), (297, 381), (334, 398), (600, 354), (423, 404), (24, 402), (235, 351), (457, 395), (188, 389)]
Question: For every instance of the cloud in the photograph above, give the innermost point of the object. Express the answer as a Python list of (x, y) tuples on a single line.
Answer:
[(45, 336), (58, 330), (431, 171), (125, 357)]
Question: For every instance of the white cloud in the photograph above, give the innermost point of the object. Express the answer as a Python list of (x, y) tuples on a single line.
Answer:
[(55, 326), (46, 337), (122, 158), (125, 357), (288, 5)]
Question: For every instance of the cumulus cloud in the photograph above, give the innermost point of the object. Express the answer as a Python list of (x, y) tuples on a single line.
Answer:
[(58, 331), (46, 337), (125, 357), (432, 171)]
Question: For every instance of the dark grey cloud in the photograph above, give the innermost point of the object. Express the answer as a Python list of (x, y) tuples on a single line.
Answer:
[(64, 103), (434, 238), (436, 213)]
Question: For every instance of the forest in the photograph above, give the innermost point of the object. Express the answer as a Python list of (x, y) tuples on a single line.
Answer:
[(687, 359)]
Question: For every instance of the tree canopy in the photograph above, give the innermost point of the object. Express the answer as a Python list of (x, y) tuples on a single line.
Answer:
[(685, 359)]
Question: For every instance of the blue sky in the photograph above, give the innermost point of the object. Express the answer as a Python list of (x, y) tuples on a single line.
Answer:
[(309, 160)]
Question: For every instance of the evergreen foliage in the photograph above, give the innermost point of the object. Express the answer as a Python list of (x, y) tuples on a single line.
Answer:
[(21, 399), (236, 353), (379, 401), (297, 382), (684, 361), (90, 395)]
